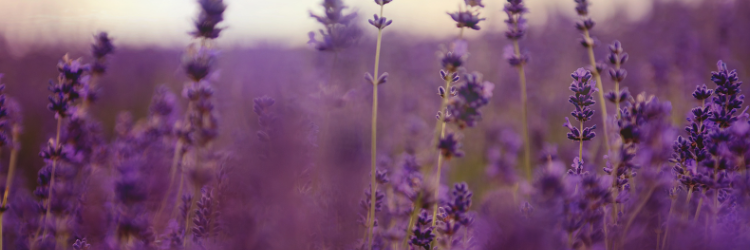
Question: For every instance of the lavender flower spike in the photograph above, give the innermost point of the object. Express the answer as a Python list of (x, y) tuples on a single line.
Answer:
[(516, 30), (581, 100), (380, 22), (585, 24)]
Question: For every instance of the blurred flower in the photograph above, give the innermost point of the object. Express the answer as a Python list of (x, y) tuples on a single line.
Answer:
[(466, 19), (212, 13)]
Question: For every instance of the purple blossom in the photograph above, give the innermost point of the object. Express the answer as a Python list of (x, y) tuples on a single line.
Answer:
[(466, 19)]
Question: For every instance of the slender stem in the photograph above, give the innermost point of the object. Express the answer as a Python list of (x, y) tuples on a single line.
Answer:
[(598, 77), (524, 113), (617, 92), (414, 214), (666, 230), (16, 130), (687, 199), (373, 138), (580, 145), (698, 209), (9, 181), (173, 172), (448, 81), (52, 177), (636, 212)]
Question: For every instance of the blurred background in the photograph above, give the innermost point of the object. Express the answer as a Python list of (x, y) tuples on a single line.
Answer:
[(673, 46)]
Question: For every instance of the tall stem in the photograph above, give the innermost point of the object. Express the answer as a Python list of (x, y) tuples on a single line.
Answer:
[(414, 214), (687, 200), (443, 107), (666, 230), (16, 130), (698, 209), (52, 177), (598, 78), (636, 212), (9, 181), (373, 138), (173, 172), (580, 145), (524, 113)]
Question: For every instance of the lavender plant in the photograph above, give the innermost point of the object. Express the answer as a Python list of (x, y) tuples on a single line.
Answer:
[(379, 22), (165, 175), (516, 31), (585, 24)]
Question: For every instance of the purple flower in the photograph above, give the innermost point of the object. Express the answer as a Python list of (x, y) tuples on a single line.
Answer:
[(463, 108), (81, 244), (422, 234), (198, 62), (727, 96), (450, 147), (380, 22), (466, 19), (581, 100), (212, 13), (582, 7), (100, 49), (516, 22)]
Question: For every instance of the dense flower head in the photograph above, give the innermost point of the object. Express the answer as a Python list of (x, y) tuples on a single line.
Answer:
[(516, 22), (466, 19), (582, 99), (380, 22), (81, 244), (198, 62), (582, 7), (334, 13), (422, 234), (463, 108), (212, 13), (702, 92), (450, 147), (338, 32), (727, 99), (474, 3), (334, 38), (454, 214), (101, 47)]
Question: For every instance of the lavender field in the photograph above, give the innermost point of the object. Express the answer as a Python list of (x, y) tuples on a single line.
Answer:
[(583, 133)]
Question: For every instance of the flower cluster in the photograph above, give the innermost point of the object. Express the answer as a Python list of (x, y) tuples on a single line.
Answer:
[(422, 234), (463, 107), (338, 32), (454, 215), (212, 13), (581, 100)]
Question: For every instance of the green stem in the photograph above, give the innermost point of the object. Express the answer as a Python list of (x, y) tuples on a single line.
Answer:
[(687, 200), (177, 156), (446, 95), (580, 145), (414, 214), (9, 181), (598, 77), (373, 138), (698, 209), (666, 230), (636, 212), (524, 113), (52, 178)]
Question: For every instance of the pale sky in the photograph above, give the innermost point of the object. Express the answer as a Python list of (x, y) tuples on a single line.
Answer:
[(26, 23)]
